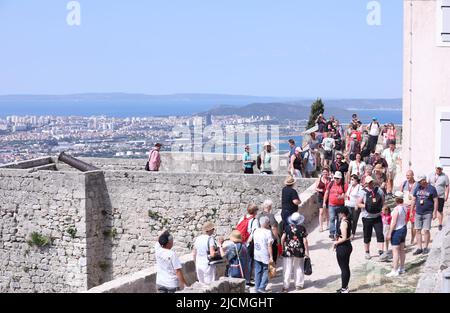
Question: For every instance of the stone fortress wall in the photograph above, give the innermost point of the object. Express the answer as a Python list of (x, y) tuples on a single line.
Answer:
[(116, 214)]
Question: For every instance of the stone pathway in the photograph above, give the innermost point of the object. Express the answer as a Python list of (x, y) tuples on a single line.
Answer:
[(367, 275)]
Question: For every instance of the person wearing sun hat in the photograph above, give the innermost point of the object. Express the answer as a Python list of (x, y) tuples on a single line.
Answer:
[(204, 246), (295, 249), (266, 159), (425, 202), (439, 180), (236, 254), (289, 199), (397, 235)]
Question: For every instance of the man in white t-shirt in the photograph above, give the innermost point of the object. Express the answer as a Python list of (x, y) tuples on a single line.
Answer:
[(169, 277), (374, 129), (205, 245), (328, 145), (263, 255), (391, 156)]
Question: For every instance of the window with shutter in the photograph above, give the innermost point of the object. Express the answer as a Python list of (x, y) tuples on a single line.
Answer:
[(445, 7), (444, 154)]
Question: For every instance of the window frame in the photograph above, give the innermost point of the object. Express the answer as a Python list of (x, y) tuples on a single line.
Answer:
[(442, 113), (440, 23)]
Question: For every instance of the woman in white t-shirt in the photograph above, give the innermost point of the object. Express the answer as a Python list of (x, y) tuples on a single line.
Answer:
[(397, 236), (356, 167), (205, 245), (351, 198), (263, 254)]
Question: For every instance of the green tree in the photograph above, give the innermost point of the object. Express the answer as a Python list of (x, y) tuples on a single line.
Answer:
[(317, 108)]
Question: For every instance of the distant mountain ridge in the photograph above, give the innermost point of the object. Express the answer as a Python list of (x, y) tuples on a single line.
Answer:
[(141, 105)]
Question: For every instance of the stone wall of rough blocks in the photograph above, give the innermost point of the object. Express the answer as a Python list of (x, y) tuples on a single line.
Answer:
[(49, 203), (186, 163), (145, 203)]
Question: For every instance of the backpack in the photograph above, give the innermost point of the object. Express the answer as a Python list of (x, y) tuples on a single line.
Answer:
[(373, 207), (243, 227), (259, 161), (356, 147), (294, 243)]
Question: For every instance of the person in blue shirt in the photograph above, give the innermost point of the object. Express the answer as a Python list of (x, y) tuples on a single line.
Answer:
[(291, 148), (425, 202), (248, 162)]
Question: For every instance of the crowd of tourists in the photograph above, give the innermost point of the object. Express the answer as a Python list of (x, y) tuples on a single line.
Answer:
[(356, 176)]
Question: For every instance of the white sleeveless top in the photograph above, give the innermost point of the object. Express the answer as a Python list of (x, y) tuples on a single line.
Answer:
[(401, 218)]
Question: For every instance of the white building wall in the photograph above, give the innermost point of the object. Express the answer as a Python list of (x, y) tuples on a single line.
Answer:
[(426, 89)]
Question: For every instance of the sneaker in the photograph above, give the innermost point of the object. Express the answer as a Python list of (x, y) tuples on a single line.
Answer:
[(380, 252), (298, 288), (426, 251), (418, 251), (367, 256), (440, 227), (384, 257), (250, 284), (284, 290), (401, 271), (331, 237), (343, 290), (392, 274)]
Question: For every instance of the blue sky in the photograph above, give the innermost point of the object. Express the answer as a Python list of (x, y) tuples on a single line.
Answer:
[(293, 48)]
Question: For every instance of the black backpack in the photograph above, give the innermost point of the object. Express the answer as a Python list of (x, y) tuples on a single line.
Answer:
[(373, 207)]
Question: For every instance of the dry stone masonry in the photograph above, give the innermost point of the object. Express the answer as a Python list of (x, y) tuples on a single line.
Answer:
[(102, 225)]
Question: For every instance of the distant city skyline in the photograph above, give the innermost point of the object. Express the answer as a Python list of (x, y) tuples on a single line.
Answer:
[(295, 49)]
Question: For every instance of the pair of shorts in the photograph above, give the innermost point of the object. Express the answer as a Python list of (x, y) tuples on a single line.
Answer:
[(319, 200), (399, 236), (410, 215), (328, 155), (441, 205), (370, 224), (423, 221)]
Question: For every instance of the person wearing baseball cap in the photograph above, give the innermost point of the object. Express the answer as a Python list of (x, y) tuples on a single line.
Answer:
[(371, 202), (439, 180), (169, 276), (425, 202), (335, 197)]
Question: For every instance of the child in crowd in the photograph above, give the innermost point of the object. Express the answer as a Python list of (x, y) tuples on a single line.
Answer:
[(386, 217)]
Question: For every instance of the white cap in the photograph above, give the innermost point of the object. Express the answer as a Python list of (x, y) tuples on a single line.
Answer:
[(421, 177), (439, 165), (338, 174), (399, 194), (368, 179)]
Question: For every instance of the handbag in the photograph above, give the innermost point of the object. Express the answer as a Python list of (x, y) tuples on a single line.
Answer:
[(272, 271), (147, 166), (217, 258), (307, 266)]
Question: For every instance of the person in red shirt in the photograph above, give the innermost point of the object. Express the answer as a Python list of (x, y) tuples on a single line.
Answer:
[(335, 195)]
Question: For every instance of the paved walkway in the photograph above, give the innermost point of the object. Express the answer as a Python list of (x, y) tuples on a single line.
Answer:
[(367, 275)]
